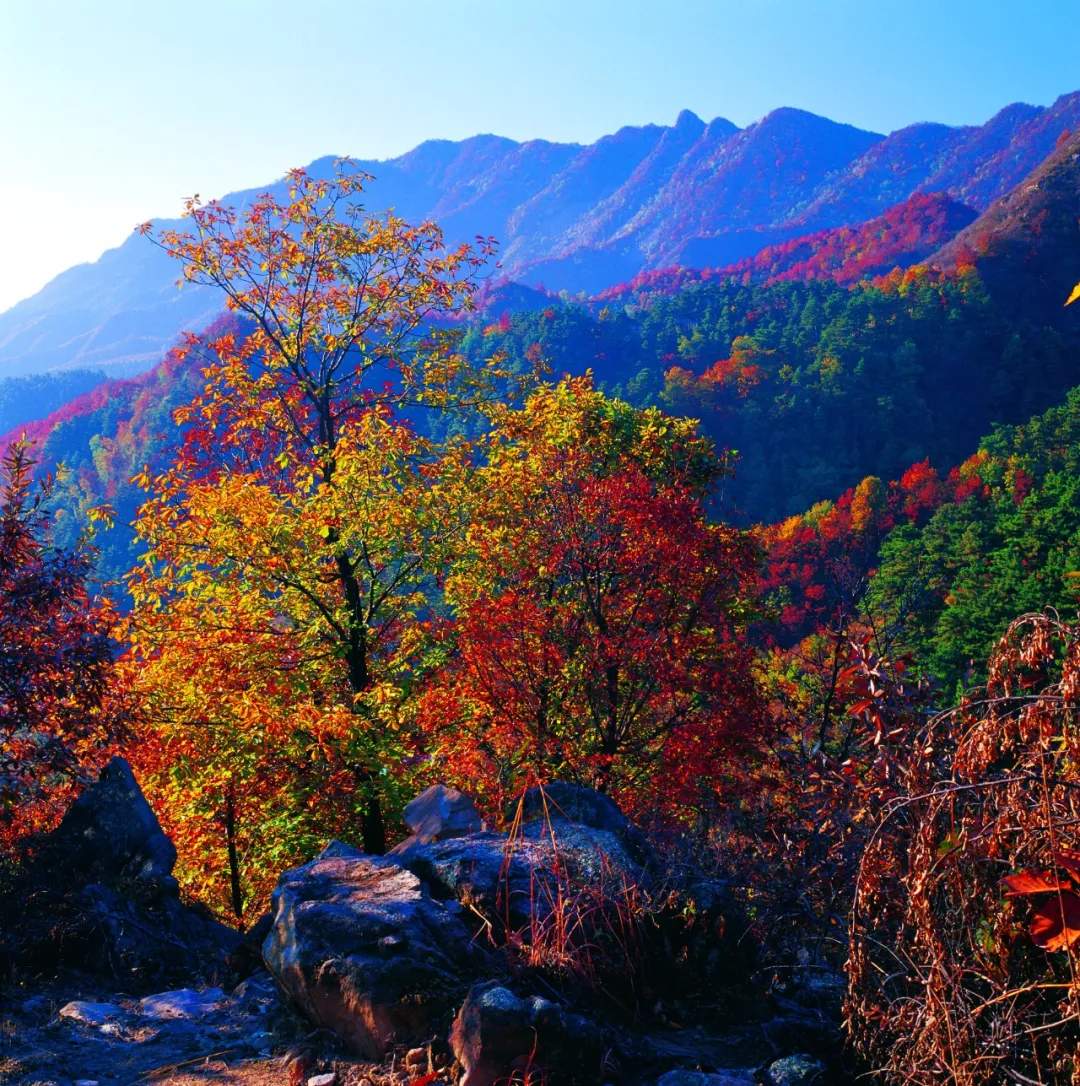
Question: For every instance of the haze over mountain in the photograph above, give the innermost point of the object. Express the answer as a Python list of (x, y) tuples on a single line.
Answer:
[(580, 218)]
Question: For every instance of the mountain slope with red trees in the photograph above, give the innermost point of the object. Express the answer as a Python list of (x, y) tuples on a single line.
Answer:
[(906, 234), (1034, 227)]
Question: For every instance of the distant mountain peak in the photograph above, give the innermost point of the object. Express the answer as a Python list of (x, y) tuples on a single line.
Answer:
[(688, 120), (577, 217)]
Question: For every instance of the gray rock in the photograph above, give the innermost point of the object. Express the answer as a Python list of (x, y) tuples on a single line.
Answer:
[(260, 988), (561, 801), (183, 1003), (798, 1070), (323, 1080), (439, 813), (705, 1078), (361, 948), (92, 1014), (339, 850), (496, 1034), (105, 898), (521, 876), (110, 832)]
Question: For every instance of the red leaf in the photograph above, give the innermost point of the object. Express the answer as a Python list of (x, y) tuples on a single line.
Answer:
[(1031, 882), (425, 1080), (1069, 858), (1056, 925)]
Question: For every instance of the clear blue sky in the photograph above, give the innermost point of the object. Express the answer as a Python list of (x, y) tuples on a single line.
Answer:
[(111, 112)]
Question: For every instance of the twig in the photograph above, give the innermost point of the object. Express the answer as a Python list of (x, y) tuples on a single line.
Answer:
[(147, 1075)]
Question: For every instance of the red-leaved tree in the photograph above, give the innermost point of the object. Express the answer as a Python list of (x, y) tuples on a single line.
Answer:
[(599, 613), (57, 713)]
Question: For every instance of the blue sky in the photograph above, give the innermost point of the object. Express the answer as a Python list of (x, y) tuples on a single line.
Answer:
[(111, 112)]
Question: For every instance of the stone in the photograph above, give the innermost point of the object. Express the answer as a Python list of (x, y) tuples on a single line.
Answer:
[(105, 898), (298, 1063), (323, 1080), (561, 801), (110, 832), (495, 872), (415, 1057), (800, 1070), (496, 1034), (439, 813), (257, 989), (707, 1078), (91, 1014), (359, 945), (184, 1003), (336, 850)]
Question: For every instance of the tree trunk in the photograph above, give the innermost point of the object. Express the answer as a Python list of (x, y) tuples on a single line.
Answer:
[(234, 863), (372, 826)]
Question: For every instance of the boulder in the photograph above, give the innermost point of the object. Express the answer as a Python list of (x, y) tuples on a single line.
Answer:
[(439, 813), (92, 1014), (520, 877), (359, 945), (184, 1003), (110, 834), (561, 801), (100, 896), (496, 1034), (801, 1070)]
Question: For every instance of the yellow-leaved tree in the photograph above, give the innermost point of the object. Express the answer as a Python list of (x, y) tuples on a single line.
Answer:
[(282, 610)]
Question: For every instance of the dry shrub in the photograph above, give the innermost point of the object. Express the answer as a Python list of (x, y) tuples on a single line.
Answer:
[(955, 975), (582, 925), (786, 842)]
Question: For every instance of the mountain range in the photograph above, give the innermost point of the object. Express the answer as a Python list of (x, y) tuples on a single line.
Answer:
[(579, 218)]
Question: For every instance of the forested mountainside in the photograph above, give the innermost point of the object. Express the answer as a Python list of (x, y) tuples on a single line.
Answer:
[(26, 400), (814, 384), (906, 234), (579, 218)]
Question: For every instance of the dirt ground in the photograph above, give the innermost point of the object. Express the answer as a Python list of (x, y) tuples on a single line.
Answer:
[(246, 1039)]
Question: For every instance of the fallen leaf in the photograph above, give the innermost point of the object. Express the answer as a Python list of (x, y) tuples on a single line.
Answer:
[(1031, 882), (1056, 925), (1069, 858)]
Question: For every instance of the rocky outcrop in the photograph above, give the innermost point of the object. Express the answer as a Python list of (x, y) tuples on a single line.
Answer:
[(519, 879), (439, 813), (385, 951), (378, 948), (496, 1034), (100, 896), (560, 803), (361, 947), (110, 834)]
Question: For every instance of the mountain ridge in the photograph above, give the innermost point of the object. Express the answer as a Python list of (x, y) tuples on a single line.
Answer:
[(574, 217)]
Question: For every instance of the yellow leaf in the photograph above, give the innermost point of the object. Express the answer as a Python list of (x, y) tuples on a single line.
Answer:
[(1075, 294)]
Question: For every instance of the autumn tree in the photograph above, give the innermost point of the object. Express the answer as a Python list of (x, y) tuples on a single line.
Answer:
[(57, 712), (240, 640), (597, 611), (292, 543)]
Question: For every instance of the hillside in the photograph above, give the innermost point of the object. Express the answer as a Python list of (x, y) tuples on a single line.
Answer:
[(1036, 226), (576, 217), (906, 234), (815, 381)]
